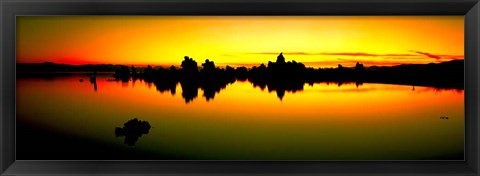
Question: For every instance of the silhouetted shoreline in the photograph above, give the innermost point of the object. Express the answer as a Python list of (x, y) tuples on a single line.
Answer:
[(280, 76), (291, 76)]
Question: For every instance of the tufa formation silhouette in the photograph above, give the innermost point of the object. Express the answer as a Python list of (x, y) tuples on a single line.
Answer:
[(132, 130), (290, 76)]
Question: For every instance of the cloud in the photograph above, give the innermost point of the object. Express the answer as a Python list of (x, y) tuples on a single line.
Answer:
[(440, 56), (455, 57), (397, 55), (363, 54), (351, 63), (228, 55), (289, 53), (239, 64), (334, 54), (428, 54)]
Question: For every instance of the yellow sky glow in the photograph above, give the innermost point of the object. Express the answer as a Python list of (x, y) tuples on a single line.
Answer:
[(318, 41)]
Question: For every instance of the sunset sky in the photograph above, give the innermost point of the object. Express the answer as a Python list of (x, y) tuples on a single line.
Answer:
[(317, 41)]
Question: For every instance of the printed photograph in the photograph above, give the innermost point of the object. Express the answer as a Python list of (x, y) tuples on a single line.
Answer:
[(240, 88)]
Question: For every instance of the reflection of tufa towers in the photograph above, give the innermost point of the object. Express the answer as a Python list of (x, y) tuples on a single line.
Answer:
[(285, 76), (93, 80)]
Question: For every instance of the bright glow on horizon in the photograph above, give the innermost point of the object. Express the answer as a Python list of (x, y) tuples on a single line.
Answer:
[(319, 41)]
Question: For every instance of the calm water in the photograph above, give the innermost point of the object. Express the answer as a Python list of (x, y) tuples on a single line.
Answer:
[(322, 121)]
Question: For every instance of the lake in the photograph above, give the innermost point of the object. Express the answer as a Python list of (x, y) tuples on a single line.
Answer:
[(61, 117)]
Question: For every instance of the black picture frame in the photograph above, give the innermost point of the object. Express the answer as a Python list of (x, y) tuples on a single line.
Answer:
[(11, 8)]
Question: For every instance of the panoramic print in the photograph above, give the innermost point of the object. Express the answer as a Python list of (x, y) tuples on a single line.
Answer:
[(240, 87)]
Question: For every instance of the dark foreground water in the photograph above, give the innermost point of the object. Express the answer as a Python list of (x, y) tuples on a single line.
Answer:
[(61, 117)]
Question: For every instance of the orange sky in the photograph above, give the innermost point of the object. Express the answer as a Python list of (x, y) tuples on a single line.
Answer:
[(318, 41)]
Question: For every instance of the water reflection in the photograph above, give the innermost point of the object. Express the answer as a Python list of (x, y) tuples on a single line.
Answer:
[(210, 89), (244, 122), (282, 76), (165, 86), (93, 80), (189, 91), (132, 130)]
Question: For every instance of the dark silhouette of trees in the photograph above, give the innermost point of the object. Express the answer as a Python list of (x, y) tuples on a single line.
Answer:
[(241, 73), (134, 73), (289, 76), (189, 67), (208, 67), (258, 76), (164, 79), (189, 79), (230, 74), (359, 67), (213, 79), (122, 74), (209, 78), (359, 74), (148, 74), (279, 76), (133, 130)]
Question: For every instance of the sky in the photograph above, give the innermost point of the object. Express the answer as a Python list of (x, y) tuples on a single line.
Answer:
[(316, 41)]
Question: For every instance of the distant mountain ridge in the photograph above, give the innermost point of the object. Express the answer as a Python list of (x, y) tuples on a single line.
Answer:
[(55, 67)]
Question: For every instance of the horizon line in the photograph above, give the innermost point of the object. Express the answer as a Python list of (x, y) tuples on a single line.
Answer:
[(249, 65)]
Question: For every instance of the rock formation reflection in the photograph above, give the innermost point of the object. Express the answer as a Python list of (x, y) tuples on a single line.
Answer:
[(288, 76)]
